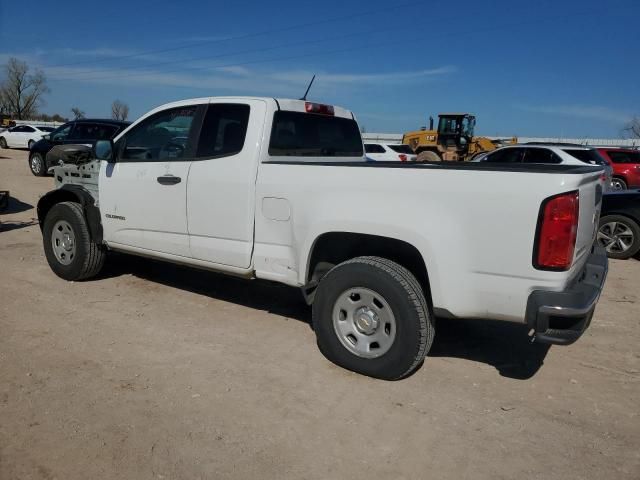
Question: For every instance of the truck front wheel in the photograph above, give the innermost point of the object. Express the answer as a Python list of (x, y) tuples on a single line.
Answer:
[(370, 316), (68, 246)]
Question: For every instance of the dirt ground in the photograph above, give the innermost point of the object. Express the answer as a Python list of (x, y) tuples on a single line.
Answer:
[(158, 371)]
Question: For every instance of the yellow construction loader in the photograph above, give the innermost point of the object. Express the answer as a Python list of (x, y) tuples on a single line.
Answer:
[(453, 140)]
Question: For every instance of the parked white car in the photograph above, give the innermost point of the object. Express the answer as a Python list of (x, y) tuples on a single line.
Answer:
[(279, 189), (23, 136), (549, 153), (387, 152)]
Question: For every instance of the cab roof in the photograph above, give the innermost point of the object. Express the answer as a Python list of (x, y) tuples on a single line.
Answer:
[(287, 104)]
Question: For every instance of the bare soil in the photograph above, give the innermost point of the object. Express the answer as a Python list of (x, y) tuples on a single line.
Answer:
[(158, 371)]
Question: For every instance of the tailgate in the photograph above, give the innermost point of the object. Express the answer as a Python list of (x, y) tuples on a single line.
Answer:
[(591, 189)]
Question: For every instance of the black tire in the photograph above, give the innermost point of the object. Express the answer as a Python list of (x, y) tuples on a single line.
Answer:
[(400, 289), (3, 143), (428, 156), (618, 183), (37, 164), (632, 237), (89, 256), (30, 144)]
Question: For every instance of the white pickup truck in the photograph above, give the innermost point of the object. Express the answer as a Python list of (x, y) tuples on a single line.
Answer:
[(280, 190)]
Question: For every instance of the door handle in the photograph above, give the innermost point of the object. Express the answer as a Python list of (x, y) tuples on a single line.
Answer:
[(169, 180)]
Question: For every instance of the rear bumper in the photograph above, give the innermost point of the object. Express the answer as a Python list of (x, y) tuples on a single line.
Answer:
[(562, 317)]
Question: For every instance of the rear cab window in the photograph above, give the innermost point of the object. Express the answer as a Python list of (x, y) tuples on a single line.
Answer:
[(303, 134), (223, 130)]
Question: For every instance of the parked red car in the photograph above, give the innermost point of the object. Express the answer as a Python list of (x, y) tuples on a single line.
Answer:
[(626, 167)]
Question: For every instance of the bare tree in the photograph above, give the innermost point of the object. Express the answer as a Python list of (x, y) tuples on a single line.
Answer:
[(77, 113), (21, 91), (632, 128), (119, 110)]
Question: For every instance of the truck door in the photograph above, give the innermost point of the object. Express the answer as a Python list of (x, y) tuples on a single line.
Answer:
[(143, 195), (221, 186)]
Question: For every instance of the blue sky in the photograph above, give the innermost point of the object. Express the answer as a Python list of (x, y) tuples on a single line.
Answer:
[(536, 68)]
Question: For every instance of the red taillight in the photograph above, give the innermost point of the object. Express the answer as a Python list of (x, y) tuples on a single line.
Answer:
[(557, 231), (319, 108), (402, 157)]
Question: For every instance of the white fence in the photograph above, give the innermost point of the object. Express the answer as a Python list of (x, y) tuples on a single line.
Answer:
[(38, 123)]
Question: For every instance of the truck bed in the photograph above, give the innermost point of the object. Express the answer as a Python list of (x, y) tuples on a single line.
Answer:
[(474, 224)]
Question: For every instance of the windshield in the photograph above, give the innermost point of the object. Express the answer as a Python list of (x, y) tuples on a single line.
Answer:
[(587, 156), (312, 135), (468, 125), (401, 149)]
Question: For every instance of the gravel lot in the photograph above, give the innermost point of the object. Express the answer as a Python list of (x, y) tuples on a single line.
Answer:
[(157, 371)]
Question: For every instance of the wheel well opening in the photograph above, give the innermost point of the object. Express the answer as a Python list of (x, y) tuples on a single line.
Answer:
[(333, 248), (48, 201)]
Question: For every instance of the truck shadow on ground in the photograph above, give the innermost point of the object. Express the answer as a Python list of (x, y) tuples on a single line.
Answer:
[(17, 206), (502, 345)]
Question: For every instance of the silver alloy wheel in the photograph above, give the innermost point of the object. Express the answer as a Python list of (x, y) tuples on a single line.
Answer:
[(617, 184), (63, 242), (615, 237), (36, 163), (364, 322)]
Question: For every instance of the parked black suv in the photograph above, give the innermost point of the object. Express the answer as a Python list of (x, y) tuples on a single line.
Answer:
[(78, 131)]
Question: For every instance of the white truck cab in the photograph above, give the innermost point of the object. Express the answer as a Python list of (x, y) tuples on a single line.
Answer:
[(279, 189)]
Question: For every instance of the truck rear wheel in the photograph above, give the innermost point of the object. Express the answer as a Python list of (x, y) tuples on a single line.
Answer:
[(370, 316), (70, 251), (428, 156)]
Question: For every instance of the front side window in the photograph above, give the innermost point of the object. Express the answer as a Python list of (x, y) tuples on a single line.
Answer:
[(314, 135), (223, 130), (624, 157), (540, 155), (373, 148), (505, 155), (62, 133), (163, 136)]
